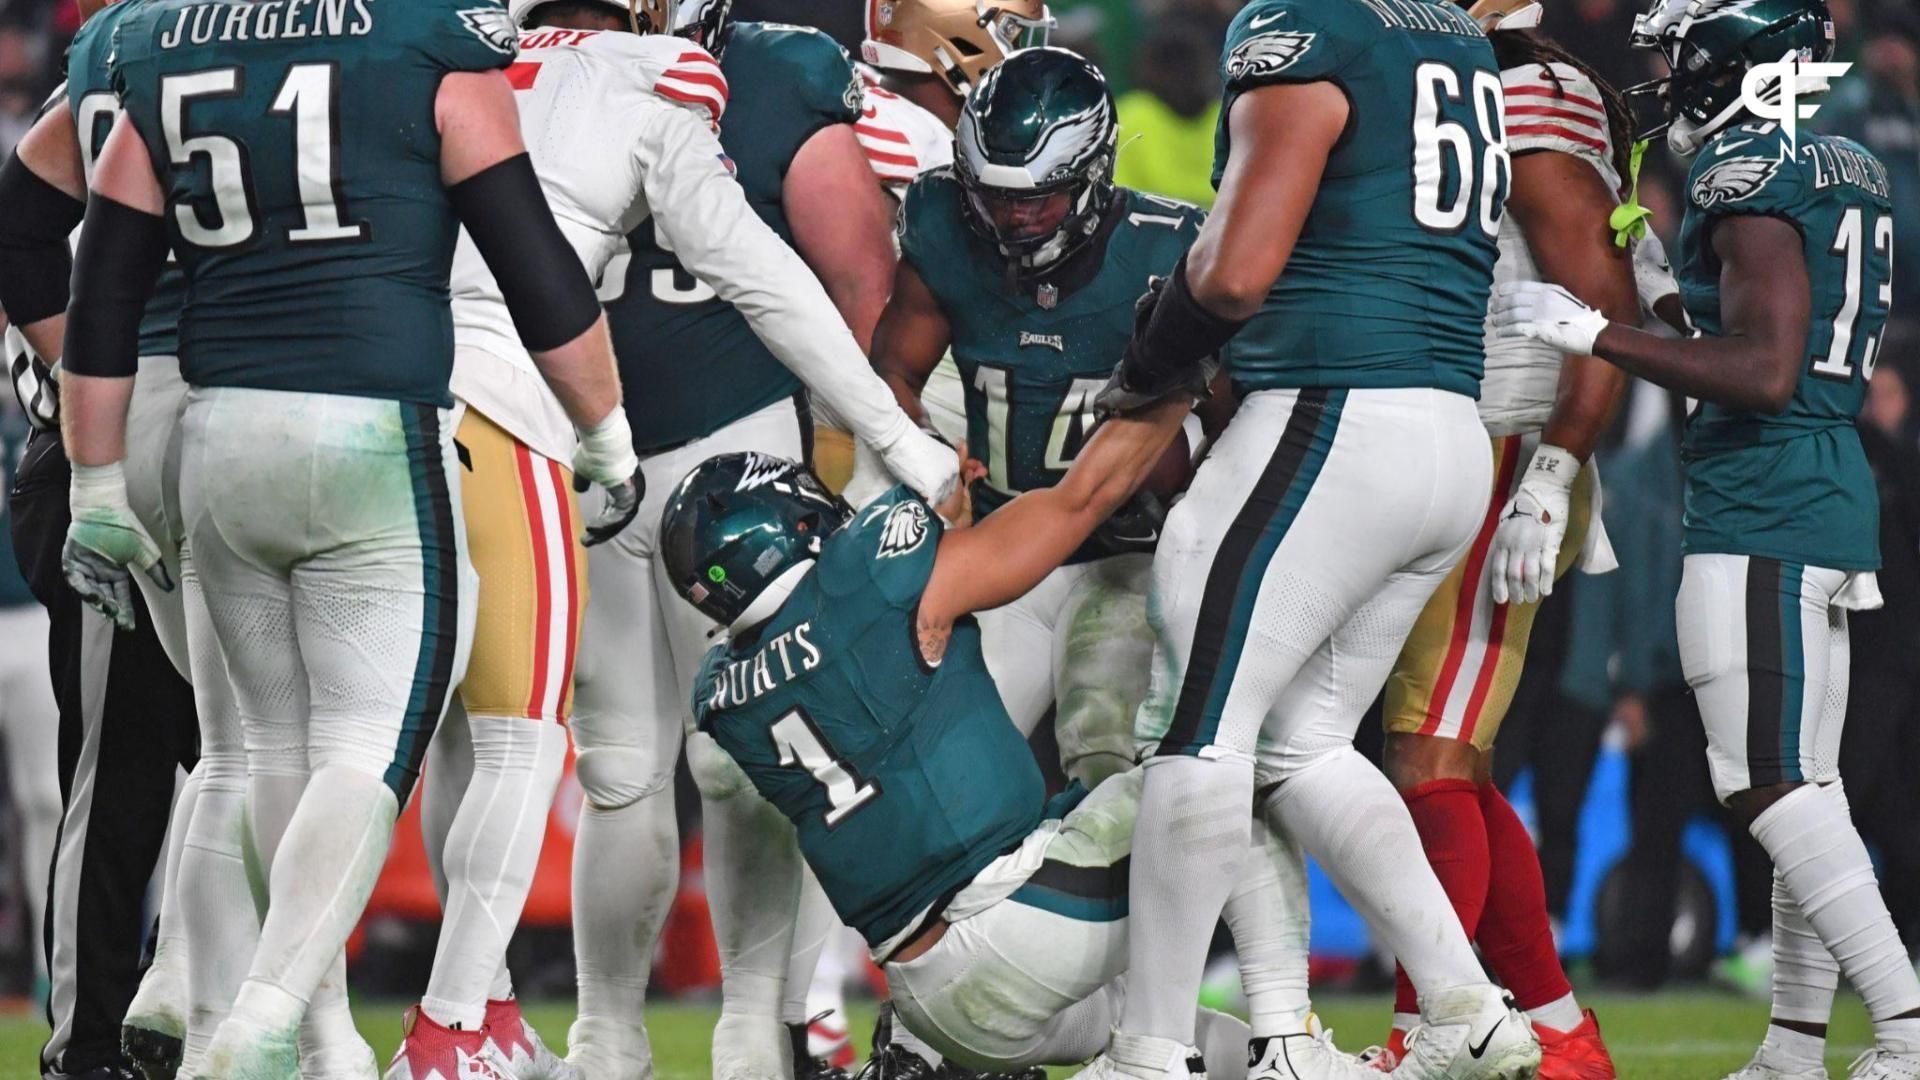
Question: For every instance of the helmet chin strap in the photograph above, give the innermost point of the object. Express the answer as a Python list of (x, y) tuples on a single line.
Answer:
[(1685, 137), (771, 597)]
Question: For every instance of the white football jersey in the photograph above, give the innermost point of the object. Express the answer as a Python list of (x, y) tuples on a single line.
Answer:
[(1549, 107), (620, 126), (902, 140)]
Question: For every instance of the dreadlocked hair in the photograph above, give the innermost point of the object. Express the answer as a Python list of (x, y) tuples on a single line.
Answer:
[(1513, 48)]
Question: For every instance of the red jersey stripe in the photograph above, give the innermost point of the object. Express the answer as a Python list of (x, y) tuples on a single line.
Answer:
[(1558, 132)]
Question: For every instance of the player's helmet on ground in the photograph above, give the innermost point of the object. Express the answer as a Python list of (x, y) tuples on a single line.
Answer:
[(739, 530), (1709, 46), (1034, 152), (956, 40)]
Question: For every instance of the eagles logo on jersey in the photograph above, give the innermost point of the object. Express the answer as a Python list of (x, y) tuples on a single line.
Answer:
[(491, 25), (1732, 180), (904, 530), (1268, 54)]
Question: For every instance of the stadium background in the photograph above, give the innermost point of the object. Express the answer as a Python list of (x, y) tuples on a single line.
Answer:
[(1603, 752)]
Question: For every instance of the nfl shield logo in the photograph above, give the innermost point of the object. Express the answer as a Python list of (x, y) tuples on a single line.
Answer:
[(1047, 295)]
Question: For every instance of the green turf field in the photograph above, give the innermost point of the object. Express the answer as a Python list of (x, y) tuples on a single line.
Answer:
[(1669, 1036)]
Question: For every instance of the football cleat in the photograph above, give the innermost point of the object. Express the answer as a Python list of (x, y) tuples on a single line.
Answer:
[(1879, 1064), (515, 1040), (1578, 1054), (827, 1038), (153, 1050), (1164, 1059), (1386, 1058), (1470, 1033), (808, 1065), (890, 1060), (606, 1048), (154, 1025), (1306, 1056), (433, 1052), (242, 1050), (1759, 1069), (950, 1071)]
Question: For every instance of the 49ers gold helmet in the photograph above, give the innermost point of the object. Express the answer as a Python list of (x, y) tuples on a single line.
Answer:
[(956, 40)]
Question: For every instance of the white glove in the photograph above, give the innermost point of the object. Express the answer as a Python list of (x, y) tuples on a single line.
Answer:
[(920, 461), (605, 457), (1526, 545), (1547, 313), (1652, 274), (104, 539)]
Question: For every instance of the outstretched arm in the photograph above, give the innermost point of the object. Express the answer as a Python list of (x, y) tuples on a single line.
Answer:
[(1004, 556)]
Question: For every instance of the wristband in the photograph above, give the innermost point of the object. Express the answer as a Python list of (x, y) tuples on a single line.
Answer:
[(1552, 465)]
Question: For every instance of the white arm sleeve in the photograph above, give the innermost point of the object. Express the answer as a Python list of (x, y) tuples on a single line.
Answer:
[(701, 215)]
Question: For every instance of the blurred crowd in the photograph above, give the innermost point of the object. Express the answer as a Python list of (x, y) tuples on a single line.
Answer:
[(1605, 668)]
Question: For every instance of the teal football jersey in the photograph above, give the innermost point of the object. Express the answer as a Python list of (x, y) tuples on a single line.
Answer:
[(1033, 358), (1794, 487), (91, 99), (298, 149), (1389, 282), (903, 780), (694, 363)]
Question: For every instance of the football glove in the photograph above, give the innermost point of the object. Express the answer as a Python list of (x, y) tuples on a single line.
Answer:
[(1653, 280), (605, 457), (1526, 544), (1142, 379), (920, 461), (103, 540), (1545, 313)]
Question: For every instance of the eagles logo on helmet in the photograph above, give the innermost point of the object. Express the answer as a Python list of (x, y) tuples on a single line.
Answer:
[(1709, 45)]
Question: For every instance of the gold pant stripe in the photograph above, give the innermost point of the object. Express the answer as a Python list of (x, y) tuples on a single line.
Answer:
[(523, 529)]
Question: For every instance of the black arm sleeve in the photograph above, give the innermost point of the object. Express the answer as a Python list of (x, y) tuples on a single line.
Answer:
[(547, 291), (1173, 336), (35, 218), (121, 254)]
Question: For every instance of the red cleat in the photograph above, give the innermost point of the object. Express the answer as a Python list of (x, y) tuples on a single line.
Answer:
[(1574, 1055)]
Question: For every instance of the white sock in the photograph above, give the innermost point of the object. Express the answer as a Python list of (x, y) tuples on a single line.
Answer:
[(1189, 843), (163, 989), (1824, 866), (1805, 974), (501, 988), (1356, 826), (1898, 1036), (444, 777), (752, 863), (626, 870), (1268, 916), (1405, 1022), (328, 1039), (1561, 1014), (491, 850), (813, 923), (832, 970), (1792, 1051), (1223, 1044), (217, 897), (322, 874)]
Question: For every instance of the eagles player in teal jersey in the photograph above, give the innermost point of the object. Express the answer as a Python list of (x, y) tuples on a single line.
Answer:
[(853, 692), (790, 96), (1345, 270), (313, 206), (1785, 268), (1026, 260)]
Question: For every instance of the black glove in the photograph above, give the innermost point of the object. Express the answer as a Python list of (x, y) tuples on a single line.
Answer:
[(1175, 347), (623, 505)]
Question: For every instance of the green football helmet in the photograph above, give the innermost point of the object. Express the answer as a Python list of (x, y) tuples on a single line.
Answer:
[(1034, 152), (739, 530), (1709, 45)]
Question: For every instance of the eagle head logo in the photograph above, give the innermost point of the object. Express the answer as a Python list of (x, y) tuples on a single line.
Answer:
[(1732, 180), (491, 25), (1268, 53)]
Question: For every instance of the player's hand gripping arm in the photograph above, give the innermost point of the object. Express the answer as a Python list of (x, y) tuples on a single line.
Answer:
[(704, 217), (1281, 136), (1765, 303), (1562, 205), (1007, 554), (912, 336), (850, 249), (43, 195), (491, 183), (123, 247)]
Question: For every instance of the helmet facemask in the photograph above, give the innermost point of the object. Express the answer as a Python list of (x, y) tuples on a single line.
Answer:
[(953, 40), (1702, 93), (702, 22)]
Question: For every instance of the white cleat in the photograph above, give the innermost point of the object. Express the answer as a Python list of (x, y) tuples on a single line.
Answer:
[(241, 1050), (1758, 1069), (751, 1048), (603, 1048), (339, 1060), (1304, 1057), (1878, 1064), (1143, 1057), (515, 1040), (1470, 1033)]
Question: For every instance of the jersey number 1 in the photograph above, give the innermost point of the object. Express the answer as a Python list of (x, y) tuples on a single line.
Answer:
[(800, 743), (311, 95)]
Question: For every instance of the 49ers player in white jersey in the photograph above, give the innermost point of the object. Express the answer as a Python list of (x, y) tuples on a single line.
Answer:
[(1456, 675), (620, 127)]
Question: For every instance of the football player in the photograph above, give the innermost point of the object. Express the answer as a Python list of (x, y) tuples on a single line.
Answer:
[(853, 691), (727, 369), (1362, 168), (319, 479), (1784, 266), (1568, 134), (184, 992)]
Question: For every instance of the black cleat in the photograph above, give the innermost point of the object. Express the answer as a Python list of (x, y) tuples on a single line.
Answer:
[(951, 1071), (156, 1054), (890, 1060), (805, 1065), (112, 1070)]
